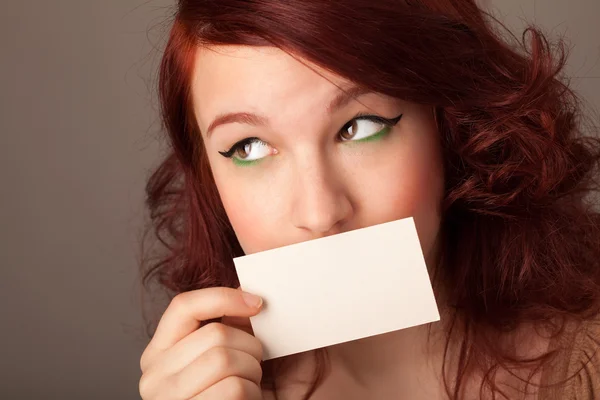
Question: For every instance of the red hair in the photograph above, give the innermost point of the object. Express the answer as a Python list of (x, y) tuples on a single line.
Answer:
[(519, 240)]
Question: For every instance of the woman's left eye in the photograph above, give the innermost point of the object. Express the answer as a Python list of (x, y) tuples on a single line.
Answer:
[(367, 127)]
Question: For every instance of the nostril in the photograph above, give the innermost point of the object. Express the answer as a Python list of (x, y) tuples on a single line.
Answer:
[(324, 219)]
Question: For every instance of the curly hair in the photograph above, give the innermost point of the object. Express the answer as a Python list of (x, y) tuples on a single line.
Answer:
[(519, 170)]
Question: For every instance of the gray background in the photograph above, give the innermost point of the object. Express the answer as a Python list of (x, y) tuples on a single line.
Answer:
[(78, 129)]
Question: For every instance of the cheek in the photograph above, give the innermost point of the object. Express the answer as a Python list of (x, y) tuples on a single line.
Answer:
[(252, 211), (427, 210), (428, 186), (410, 184)]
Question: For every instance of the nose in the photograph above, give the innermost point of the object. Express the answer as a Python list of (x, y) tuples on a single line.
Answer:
[(322, 204)]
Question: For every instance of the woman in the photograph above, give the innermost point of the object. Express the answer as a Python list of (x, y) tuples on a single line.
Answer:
[(293, 120)]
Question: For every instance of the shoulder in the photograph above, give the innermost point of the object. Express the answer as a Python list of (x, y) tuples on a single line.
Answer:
[(584, 363), (578, 363)]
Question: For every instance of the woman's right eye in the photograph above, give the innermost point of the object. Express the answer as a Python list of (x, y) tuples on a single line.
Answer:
[(248, 151)]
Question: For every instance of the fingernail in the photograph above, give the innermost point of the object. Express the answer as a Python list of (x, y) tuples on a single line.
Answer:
[(252, 300)]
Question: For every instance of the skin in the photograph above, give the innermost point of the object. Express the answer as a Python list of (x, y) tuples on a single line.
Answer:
[(314, 186), (307, 184), (304, 182)]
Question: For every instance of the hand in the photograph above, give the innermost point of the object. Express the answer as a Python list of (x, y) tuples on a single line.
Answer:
[(217, 361)]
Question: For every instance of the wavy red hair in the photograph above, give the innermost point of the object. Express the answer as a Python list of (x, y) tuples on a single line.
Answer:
[(519, 241)]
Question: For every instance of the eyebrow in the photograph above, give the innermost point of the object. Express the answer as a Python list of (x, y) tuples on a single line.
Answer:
[(344, 96)]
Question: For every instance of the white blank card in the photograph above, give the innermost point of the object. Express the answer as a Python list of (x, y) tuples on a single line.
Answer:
[(339, 288)]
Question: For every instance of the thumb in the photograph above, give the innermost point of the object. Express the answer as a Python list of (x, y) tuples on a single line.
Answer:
[(242, 323)]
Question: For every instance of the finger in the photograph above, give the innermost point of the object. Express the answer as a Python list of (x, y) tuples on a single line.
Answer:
[(211, 367), (231, 388), (242, 323), (187, 310), (198, 342)]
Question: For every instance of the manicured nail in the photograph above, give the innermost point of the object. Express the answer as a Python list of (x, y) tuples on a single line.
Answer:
[(252, 300)]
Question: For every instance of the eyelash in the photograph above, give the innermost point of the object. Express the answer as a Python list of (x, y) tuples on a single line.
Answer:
[(360, 116)]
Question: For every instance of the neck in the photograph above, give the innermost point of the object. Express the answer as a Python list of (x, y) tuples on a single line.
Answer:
[(403, 355), (408, 360)]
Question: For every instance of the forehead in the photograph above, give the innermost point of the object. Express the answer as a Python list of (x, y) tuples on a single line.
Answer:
[(232, 78)]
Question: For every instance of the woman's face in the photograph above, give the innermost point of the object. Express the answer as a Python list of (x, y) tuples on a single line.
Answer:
[(313, 169)]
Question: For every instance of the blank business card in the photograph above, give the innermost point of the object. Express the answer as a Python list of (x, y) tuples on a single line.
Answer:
[(339, 288)]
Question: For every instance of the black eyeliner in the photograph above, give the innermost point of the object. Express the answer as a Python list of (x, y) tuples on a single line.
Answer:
[(238, 145), (386, 121), (375, 118)]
